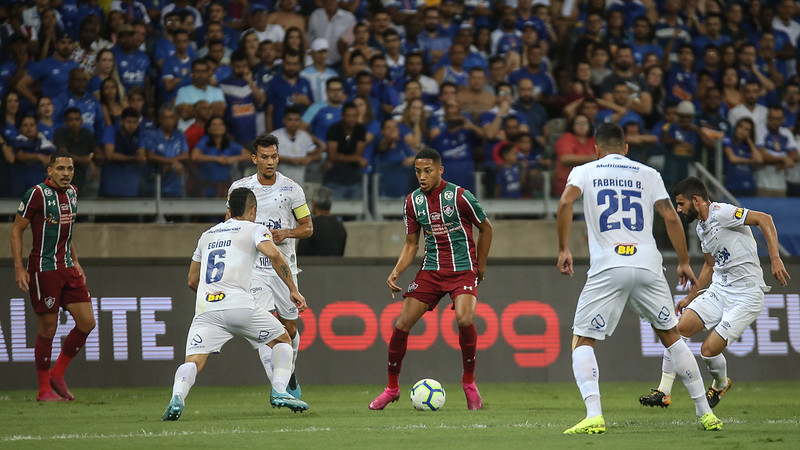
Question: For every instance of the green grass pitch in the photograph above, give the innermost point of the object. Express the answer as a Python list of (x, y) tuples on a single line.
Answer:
[(516, 415)]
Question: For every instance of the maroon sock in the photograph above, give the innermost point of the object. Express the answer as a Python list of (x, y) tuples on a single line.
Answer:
[(72, 345), (41, 354), (397, 350), (468, 340)]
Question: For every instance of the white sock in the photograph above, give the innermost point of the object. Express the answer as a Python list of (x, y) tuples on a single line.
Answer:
[(718, 367), (686, 368), (265, 354), (587, 375), (667, 374), (295, 347), (184, 379), (281, 366)]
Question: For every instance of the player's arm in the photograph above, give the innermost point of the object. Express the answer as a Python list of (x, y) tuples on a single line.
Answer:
[(405, 259), (703, 282), (678, 239), (767, 226), (564, 225), (484, 243), (281, 266), (75, 262), (194, 275), (20, 272)]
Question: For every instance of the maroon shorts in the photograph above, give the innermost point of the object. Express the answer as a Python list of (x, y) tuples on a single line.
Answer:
[(431, 285), (57, 288)]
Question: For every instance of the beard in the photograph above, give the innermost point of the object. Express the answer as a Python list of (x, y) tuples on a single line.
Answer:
[(689, 216)]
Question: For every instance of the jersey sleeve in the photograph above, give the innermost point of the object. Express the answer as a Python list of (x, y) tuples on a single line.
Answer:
[(730, 216), (410, 216), (659, 191), (468, 205), (261, 234), (576, 178), (197, 255), (299, 204), (32, 203)]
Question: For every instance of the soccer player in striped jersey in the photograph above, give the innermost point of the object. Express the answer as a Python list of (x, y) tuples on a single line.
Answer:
[(53, 277), (453, 264)]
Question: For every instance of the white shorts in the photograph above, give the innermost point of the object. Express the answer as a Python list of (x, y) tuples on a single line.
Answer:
[(272, 294), (605, 295), (211, 330), (728, 310)]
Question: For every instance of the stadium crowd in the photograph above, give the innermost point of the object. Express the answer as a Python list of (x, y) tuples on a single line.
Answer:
[(511, 89)]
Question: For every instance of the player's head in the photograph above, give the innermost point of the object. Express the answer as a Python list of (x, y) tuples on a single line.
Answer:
[(242, 204), (265, 156), (609, 138), (689, 193), (61, 169), (428, 168)]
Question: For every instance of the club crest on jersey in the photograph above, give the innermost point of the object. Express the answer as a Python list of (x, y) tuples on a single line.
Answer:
[(739, 213), (412, 286), (49, 301), (625, 249), (70, 191), (215, 297), (448, 195), (47, 191), (448, 210), (74, 201), (419, 199)]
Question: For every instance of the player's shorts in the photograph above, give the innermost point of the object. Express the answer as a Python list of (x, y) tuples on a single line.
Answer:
[(728, 310), (57, 288), (605, 295), (272, 294), (212, 329), (431, 285)]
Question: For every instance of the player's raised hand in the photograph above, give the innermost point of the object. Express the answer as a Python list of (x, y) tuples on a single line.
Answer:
[(565, 263), (23, 278), (299, 300), (392, 283), (686, 275), (779, 272)]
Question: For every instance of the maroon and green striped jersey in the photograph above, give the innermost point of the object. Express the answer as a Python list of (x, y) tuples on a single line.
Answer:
[(51, 212), (446, 216)]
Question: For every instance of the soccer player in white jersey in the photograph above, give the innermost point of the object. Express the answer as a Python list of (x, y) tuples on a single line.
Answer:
[(220, 272), (283, 209), (625, 267), (731, 284)]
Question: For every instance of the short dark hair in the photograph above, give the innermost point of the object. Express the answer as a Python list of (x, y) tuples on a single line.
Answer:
[(238, 55), (59, 154), (241, 200), (264, 140), (72, 110), (429, 153), (130, 113), (349, 105), (363, 74), (329, 81), (293, 109), (691, 187), (199, 61), (609, 136), (390, 32)]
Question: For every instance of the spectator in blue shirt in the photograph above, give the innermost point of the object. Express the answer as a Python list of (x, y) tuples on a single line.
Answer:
[(712, 36), (9, 116), (456, 143), (167, 150), (242, 94), (393, 160), (133, 65), (431, 39), (321, 115), (544, 88), (286, 89), (741, 154), (32, 155), (791, 105), (510, 175), (683, 142), (200, 89), (682, 78), (77, 96), (175, 68), (642, 40), (617, 111), (215, 156), (51, 73), (44, 117), (124, 157), (18, 63)]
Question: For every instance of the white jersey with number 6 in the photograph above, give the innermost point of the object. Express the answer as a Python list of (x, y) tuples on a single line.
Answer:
[(226, 254), (618, 199)]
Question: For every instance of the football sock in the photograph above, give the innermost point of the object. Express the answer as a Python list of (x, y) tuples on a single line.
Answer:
[(718, 367), (72, 345), (184, 379), (397, 350), (667, 374), (295, 347), (468, 340), (587, 376), (282, 366), (41, 354), (265, 354), (686, 367)]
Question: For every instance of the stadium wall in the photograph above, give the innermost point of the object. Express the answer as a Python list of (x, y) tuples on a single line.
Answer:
[(524, 317)]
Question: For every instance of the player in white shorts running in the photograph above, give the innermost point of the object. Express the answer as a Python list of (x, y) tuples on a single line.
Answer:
[(220, 272), (730, 291), (619, 199), (283, 209)]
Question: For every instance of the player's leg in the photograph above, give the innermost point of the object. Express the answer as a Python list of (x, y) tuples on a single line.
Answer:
[(587, 377), (42, 352), (410, 313), (83, 314), (464, 305), (185, 377), (288, 315), (265, 298), (689, 324)]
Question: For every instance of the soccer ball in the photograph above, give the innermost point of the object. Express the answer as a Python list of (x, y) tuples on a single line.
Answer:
[(427, 395)]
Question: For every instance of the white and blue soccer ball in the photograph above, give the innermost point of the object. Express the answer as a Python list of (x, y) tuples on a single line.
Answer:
[(427, 395)]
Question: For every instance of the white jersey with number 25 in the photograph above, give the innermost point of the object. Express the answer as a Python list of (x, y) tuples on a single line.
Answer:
[(226, 253), (618, 199)]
